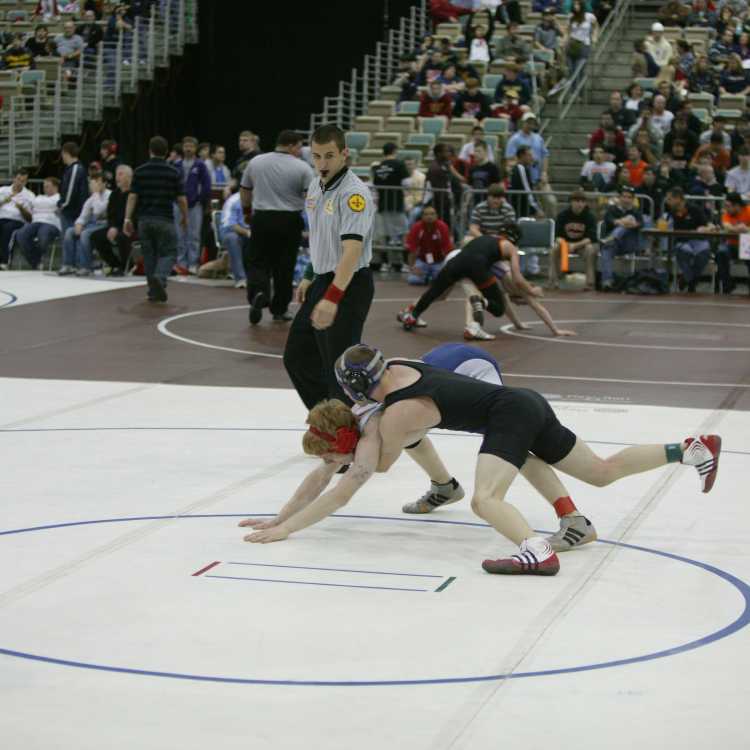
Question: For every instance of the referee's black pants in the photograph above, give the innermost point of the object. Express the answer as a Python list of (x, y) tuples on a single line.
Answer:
[(271, 254), (310, 354)]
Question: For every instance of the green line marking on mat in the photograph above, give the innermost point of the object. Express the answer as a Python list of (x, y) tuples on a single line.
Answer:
[(444, 585)]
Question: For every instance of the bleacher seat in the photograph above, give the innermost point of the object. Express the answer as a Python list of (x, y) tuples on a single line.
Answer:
[(33, 77), (368, 124), (17, 16), (378, 108), (422, 141), (390, 93), (491, 80), (497, 125), (493, 142), (733, 115), (647, 84), (732, 101), (544, 55), (357, 140), (403, 125), (453, 139), (363, 173), (462, 125), (369, 156), (489, 93), (672, 33), (410, 153), (378, 140), (434, 125), (408, 108), (702, 99), (704, 115)]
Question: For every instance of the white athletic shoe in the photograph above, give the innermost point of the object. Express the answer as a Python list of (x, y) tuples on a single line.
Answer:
[(703, 452), (437, 496), (420, 322), (475, 332), (575, 530)]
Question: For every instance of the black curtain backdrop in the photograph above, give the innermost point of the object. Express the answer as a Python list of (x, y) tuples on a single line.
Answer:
[(259, 66)]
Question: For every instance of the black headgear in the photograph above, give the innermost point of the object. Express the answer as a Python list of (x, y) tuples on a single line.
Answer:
[(359, 379)]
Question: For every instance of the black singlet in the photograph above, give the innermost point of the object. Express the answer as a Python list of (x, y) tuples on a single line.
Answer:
[(485, 247)]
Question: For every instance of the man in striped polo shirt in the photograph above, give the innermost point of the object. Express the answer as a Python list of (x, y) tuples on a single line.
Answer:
[(491, 215), (156, 186), (335, 304)]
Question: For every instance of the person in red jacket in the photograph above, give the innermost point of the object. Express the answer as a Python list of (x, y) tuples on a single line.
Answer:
[(610, 138), (436, 102), (428, 242)]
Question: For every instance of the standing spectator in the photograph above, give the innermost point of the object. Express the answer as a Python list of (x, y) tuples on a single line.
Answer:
[(69, 47), (77, 239), (622, 116), (414, 190), (479, 51), (512, 86), (217, 168), (735, 219), (235, 236), (109, 162), (17, 56), (13, 199), (74, 188), (274, 186), (390, 220), (734, 79), (674, 13), (521, 184), (692, 254), (111, 236), (175, 154), (738, 179), (472, 102), (249, 145), (427, 243), (41, 45), (490, 216), (436, 102), (609, 137), (583, 30), (483, 172), (35, 238), (336, 302), (598, 174), (512, 45), (622, 229), (204, 151), (90, 32), (467, 150), (576, 226), (443, 182), (120, 26), (155, 189), (197, 186)]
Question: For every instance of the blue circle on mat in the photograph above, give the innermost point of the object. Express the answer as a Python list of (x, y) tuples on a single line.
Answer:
[(11, 298), (733, 627)]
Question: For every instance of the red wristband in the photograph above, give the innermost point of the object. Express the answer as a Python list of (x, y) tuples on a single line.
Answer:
[(333, 294)]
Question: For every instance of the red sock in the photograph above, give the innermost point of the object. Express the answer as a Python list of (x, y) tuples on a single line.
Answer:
[(563, 506)]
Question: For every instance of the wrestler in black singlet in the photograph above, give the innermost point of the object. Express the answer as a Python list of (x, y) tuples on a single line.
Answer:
[(474, 262), (514, 420)]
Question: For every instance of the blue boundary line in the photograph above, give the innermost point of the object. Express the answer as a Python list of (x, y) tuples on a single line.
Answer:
[(12, 296), (267, 429), (740, 622), (315, 583), (334, 570)]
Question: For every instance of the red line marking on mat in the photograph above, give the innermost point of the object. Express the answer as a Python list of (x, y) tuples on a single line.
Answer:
[(208, 567)]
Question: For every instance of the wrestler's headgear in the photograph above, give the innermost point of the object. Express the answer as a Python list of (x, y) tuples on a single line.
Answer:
[(359, 370), (344, 441), (511, 232)]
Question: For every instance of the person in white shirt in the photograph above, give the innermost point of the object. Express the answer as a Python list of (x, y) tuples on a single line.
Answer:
[(467, 150), (12, 198), (77, 240), (582, 33), (660, 48), (217, 168), (480, 50), (36, 237), (235, 236), (414, 190), (738, 179), (598, 173), (661, 117)]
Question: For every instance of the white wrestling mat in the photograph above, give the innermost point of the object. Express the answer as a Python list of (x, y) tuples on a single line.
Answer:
[(133, 616), (25, 287)]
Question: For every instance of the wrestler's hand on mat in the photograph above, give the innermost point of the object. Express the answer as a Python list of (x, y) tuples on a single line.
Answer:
[(324, 314), (565, 332), (276, 534), (301, 291), (258, 523), (522, 327)]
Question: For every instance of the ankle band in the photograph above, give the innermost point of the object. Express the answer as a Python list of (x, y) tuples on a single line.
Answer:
[(674, 452), (563, 506)]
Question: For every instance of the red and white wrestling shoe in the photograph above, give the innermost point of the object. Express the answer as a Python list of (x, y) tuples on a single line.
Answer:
[(408, 321), (536, 558), (703, 453)]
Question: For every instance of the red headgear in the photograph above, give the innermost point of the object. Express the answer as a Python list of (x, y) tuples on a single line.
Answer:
[(344, 442)]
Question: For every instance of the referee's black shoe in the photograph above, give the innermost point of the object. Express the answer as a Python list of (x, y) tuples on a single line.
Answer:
[(256, 308), (156, 290)]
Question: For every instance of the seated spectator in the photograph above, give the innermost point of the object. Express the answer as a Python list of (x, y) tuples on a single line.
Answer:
[(41, 44), (69, 47), (35, 238), (432, 67), (623, 116), (735, 219), (680, 132), (47, 9), (645, 124), (492, 214), (718, 125), (466, 71), (427, 244), (726, 20), (508, 109), (407, 78), (90, 32), (738, 179), (598, 174), (740, 136), (742, 48), (512, 45), (235, 235), (672, 95), (576, 227), (734, 78), (109, 162), (523, 200), (661, 117), (483, 172), (105, 239), (692, 254), (610, 137), (722, 48), (700, 15), (512, 86), (414, 190), (472, 102), (694, 123), (654, 186), (547, 34), (634, 99), (77, 257), (13, 198), (678, 171), (703, 78), (217, 168), (435, 102), (642, 64), (706, 184), (685, 61), (479, 51), (661, 50), (445, 45), (717, 154), (466, 154), (645, 145), (17, 56), (636, 166), (451, 82), (622, 233), (674, 13)]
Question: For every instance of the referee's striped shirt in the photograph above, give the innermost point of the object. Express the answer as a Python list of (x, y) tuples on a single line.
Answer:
[(157, 185)]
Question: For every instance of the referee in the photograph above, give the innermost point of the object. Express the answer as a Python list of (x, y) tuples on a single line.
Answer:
[(335, 304), (274, 186)]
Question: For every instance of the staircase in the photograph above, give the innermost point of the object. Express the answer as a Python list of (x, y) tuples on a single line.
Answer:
[(566, 137)]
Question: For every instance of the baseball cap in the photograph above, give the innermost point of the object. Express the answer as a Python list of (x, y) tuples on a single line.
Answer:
[(657, 26), (528, 116)]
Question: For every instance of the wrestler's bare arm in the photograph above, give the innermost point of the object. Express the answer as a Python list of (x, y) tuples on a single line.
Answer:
[(402, 424)]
